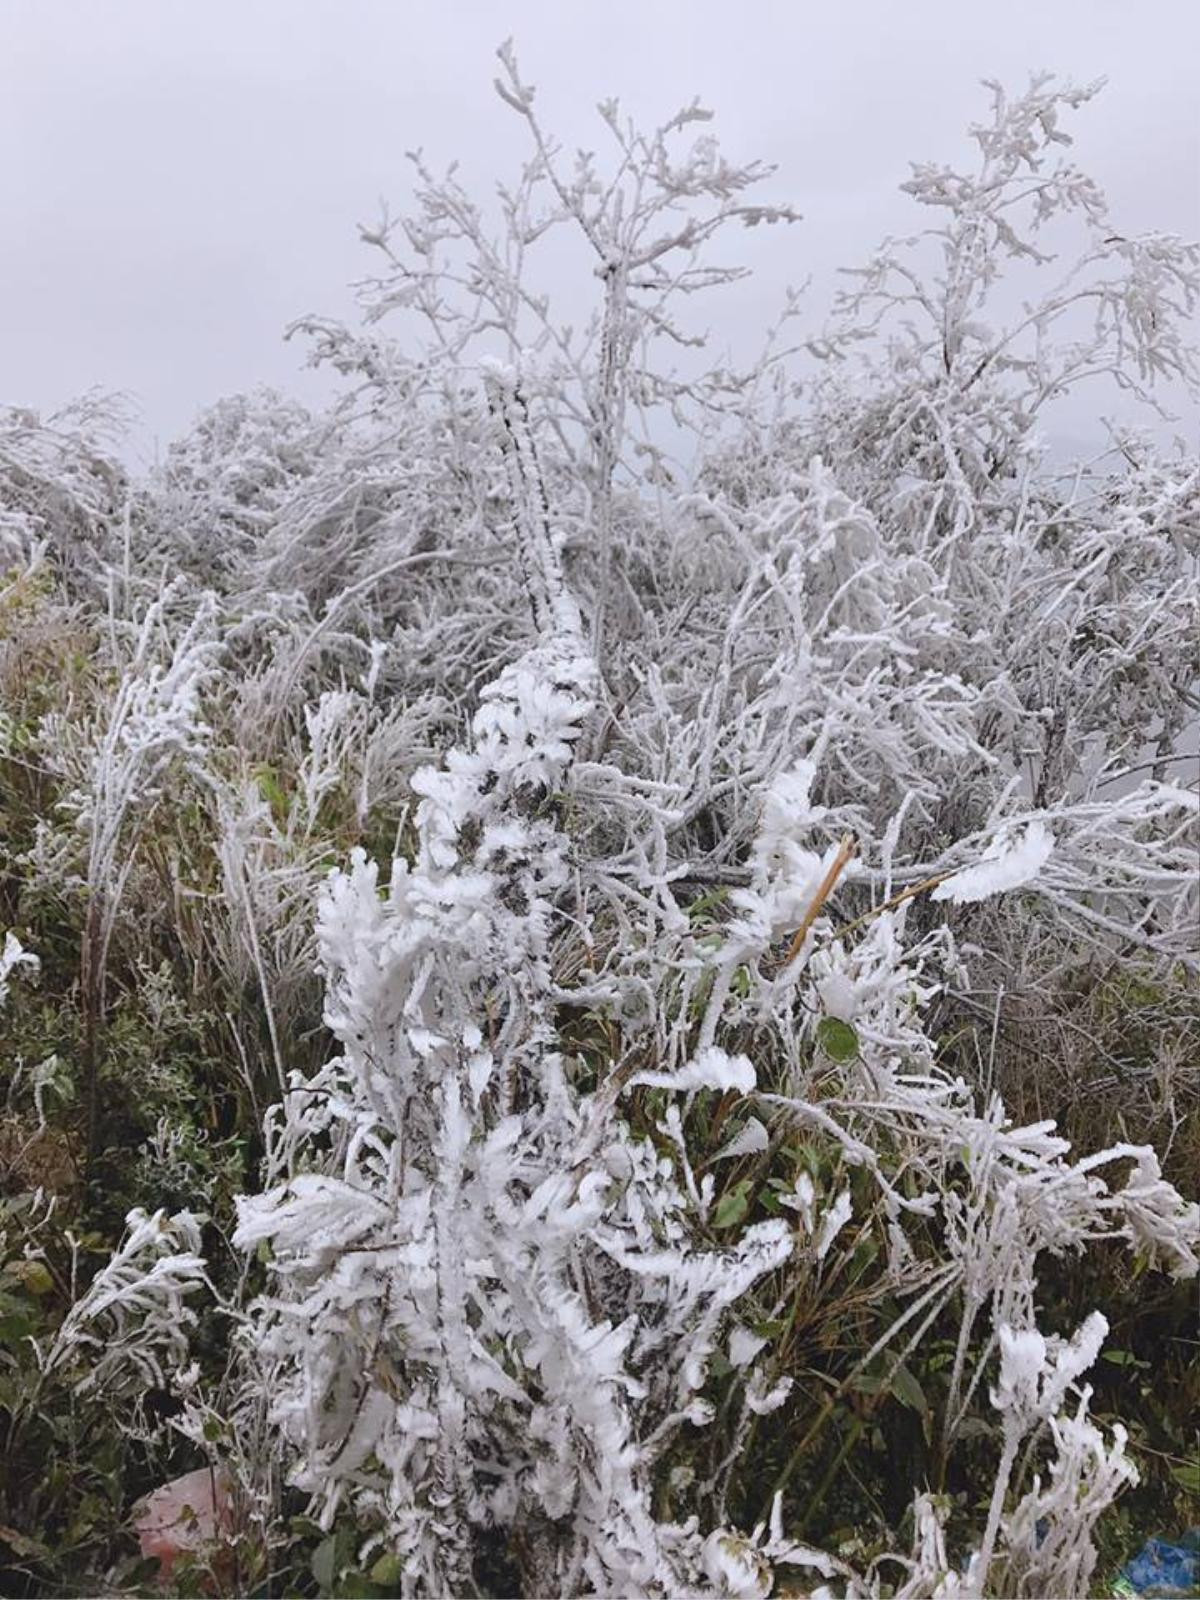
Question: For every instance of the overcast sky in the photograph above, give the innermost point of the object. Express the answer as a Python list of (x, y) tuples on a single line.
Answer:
[(180, 178)]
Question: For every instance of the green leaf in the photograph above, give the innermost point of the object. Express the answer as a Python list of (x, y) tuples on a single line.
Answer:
[(22, 1545), (143, 1572), (387, 1571), (17, 1320), (1122, 1358), (1188, 1476), (355, 1587), (770, 1329), (975, 1428), (733, 1205), (33, 1276), (865, 1252), (907, 1389), (837, 1038), (324, 1563), (272, 790), (868, 1383), (902, 1385)]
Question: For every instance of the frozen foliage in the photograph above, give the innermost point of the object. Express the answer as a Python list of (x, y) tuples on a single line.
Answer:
[(116, 770), (133, 1320), (716, 794), (1005, 864), (60, 487), (437, 1279), (13, 956)]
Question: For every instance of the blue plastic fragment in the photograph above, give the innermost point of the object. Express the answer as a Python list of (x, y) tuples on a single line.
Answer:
[(1161, 1568)]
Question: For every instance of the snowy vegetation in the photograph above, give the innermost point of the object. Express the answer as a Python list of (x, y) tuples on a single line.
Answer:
[(623, 930)]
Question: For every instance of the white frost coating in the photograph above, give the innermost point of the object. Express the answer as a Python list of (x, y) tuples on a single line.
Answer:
[(787, 810), (744, 1346), (802, 1200), (1159, 1222), (712, 1068), (750, 1140), (785, 874), (313, 1213), (735, 1568), (12, 956), (133, 1319), (762, 1400), (832, 1223), (1036, 1372), (740, 1565), (1007, 863)]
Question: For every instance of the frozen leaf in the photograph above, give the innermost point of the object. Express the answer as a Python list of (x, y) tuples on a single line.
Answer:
[(744, 1346), (1007, 863), (749, 1140), (832, 1223), (711, 1068)]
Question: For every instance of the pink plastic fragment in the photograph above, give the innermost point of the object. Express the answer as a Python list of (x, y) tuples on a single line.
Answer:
[(182, 1516)]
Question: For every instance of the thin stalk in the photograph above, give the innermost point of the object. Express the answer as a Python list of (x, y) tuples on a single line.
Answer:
[(826, 887), (995, 1511)]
